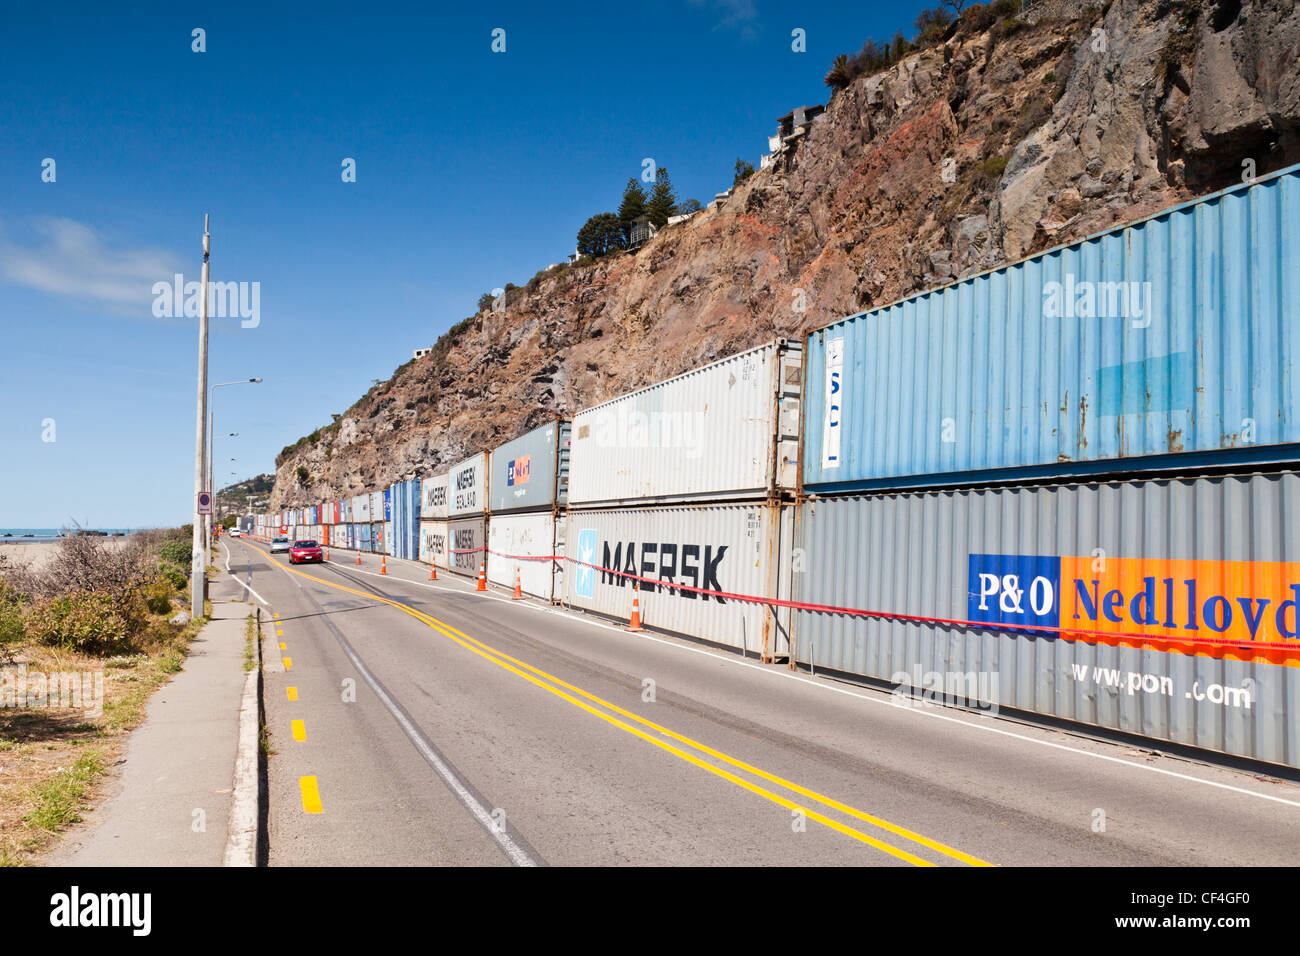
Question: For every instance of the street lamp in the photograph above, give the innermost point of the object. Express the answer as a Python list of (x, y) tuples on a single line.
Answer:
[(211, 490)]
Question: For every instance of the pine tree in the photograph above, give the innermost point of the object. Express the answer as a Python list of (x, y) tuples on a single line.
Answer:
[(633, 205), (662, 199)]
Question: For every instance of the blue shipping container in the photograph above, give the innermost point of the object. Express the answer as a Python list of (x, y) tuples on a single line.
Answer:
[(1172, 340)]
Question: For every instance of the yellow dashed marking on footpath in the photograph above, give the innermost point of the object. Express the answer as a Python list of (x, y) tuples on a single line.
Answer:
[(299, 731), (284, 646), (288, 663), (310, 795), (292, 693)]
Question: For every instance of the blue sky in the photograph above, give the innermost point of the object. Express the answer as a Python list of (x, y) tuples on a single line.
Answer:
[(474, 169)]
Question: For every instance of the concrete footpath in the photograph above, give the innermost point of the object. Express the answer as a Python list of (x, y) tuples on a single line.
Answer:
[(169, 801)]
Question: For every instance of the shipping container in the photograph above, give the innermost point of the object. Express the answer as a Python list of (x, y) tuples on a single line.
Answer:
[(517, 541), (732, 549), (377, 507), (378, 537), (403, 528), (1169, 343), (388, 539), (531, 473), (388, 503), (467, 487), (434, 542), (361, 509), (433, 498), (468, 544), (1034, 586), (729, 430)]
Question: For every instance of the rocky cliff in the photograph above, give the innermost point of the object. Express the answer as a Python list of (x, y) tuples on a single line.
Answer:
[(983, 148)]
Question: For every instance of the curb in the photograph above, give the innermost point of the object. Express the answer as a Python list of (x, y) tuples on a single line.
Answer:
[(242, 847)]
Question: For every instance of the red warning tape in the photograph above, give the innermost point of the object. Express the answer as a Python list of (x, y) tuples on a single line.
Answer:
[(1067, 633)]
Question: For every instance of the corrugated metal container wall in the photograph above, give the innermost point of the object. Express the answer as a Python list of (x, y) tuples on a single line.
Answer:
[(433, 498), (730, 548), (388, 503), (325, 534), (467, 541), (361, 509), (726, 430), (1182, 558), (363, 537), (377, 507), (388, 539), (467, 486), (434, 543), (411, 519), (527, 473), (514, 538), (1046, 364)]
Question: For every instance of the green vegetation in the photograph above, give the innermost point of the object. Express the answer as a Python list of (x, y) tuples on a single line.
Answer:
[(601, 235), (632, 206), (743, 170), (60, 800), (662, 199)]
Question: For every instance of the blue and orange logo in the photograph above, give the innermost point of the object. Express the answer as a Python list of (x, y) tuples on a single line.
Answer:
[(1219, 602)]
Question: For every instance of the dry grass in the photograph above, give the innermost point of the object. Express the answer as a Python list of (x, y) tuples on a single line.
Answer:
[(52, 760)]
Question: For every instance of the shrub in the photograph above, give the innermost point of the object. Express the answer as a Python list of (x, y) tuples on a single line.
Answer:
[(174, 576), (158, 596), (89, 622), (175, 552)]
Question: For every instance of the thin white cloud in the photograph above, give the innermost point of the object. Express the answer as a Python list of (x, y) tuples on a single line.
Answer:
[(67, 258), (738, 15)]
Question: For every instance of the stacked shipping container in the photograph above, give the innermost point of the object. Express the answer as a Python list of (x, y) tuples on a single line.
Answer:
[(1168, 345), (687, 485), (529, 483)]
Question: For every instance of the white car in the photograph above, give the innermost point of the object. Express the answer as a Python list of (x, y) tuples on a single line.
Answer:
[(280, 543), (234, 532)]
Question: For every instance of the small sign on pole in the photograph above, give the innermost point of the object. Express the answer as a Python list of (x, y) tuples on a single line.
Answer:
[(205, 503)]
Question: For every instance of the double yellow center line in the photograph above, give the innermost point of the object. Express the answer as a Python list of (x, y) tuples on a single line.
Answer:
[(638, 726)]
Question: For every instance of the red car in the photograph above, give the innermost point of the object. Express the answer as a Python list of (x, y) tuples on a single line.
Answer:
[(305, 551)]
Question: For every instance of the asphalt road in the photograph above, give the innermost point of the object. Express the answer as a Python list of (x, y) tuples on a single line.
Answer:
[(417, 722)]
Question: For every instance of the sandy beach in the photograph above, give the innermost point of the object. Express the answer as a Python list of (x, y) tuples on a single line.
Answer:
[(18, 551)]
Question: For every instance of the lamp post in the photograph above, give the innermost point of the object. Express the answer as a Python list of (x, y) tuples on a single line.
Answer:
[(242, 381), (198, 578)]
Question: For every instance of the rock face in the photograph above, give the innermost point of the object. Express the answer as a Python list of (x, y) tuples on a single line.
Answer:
[(962, 157)]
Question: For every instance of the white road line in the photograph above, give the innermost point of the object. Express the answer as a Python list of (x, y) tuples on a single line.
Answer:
[(728, 658), (242, 584)]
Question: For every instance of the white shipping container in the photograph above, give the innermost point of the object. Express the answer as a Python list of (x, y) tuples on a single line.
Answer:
[(467, 486), (729, 430), (731, 548), (466, 536), (377, 507), (433, 498), (514, 538), (434, 541), (361, 509)]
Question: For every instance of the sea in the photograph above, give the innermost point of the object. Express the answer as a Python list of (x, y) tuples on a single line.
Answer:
[(49, 534)]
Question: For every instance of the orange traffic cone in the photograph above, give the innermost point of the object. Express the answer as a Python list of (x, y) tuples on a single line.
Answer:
[(433, 573), (383, 564), (327, 554), (519, 591), (635, 624), (358, 559), (482, 579)]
